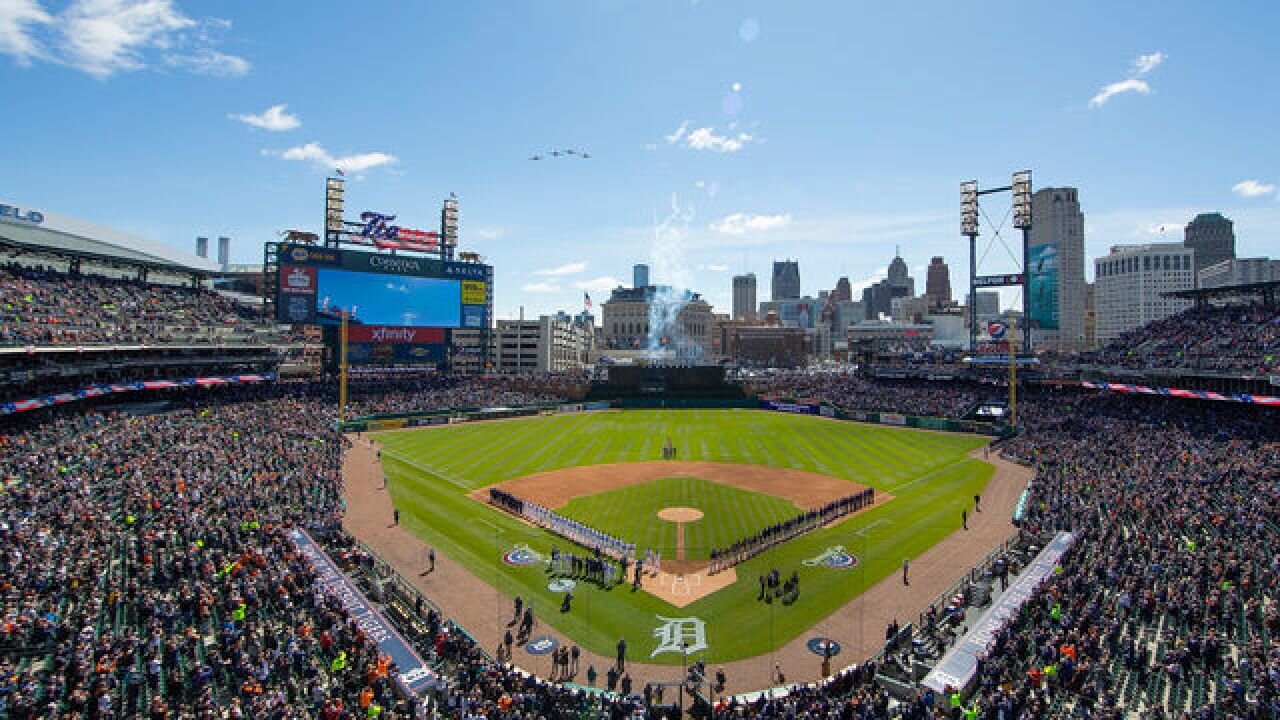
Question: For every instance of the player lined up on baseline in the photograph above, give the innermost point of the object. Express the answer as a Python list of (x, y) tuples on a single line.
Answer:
[(748, 547), (567, 528)]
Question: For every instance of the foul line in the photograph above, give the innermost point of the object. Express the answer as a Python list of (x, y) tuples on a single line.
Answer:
[(448, 477)]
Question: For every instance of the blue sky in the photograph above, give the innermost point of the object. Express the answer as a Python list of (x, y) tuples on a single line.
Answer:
[(723, 135)]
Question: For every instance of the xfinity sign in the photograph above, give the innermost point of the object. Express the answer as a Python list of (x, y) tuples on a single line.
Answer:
[(13, 212)]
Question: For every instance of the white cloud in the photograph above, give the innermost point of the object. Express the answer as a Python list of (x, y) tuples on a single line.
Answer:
[(102, 37), (674, 137), (313, 152), (715, 268), (1142, 65), (207, 61), (273, 118), (602, 284), (15, 38), (1252, 188), (1146, 63), (540, 287), (567, 269), (1117, 88), (490, 233), (742, 223), (706, 139)]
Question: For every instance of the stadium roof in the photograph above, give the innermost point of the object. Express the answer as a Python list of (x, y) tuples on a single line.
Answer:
[(1227, 291), (50, 232)]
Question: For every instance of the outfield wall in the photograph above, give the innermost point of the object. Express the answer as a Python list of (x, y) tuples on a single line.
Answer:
[(884, 418), (373, 423)]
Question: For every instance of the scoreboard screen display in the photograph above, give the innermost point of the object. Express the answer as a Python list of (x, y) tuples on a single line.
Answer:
[(319, 285)]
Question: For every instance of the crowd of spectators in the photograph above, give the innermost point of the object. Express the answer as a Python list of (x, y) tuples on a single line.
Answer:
[(1167, 602), (391, 395), (854, 392), (41, 306), (1166, 606), (146, 569), (1231, 338)]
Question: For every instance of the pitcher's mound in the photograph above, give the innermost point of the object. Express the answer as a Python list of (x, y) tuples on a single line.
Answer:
[(680, 514)]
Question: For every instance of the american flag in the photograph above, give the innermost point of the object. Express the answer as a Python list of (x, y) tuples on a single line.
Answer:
[(586, 299)]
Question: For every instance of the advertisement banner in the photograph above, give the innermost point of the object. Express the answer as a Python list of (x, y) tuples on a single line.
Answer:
[(395, 353), (893, 419), (473, 292), (393, 334), (415, 674), (1044, 286), (791, 408), (473, 316), (17, 406), (297, 280), (956, 668), (381, 263)]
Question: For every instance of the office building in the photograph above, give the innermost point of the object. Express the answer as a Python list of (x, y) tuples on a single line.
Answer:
[(640, 275), (1212, 237), (877, 299), (1131, 282), (1056, 258), (627, 315), (786, 280), (744, 296), (549, 344), (843, 291), (937, 284)]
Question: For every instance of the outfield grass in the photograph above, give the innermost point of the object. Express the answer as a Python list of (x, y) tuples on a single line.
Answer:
[(431, 470)]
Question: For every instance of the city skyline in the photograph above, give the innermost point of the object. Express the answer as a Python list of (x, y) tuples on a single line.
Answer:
[(695, 149)]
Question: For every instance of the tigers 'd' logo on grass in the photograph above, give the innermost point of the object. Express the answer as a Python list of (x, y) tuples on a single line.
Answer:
[(834, 556)]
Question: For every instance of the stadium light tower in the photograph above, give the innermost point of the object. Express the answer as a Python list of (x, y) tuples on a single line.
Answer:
[(1022, 188), (1022, 221), (969, 228), (969, 211)]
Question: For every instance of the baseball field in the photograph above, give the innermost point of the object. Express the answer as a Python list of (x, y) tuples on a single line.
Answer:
[(736, 472)]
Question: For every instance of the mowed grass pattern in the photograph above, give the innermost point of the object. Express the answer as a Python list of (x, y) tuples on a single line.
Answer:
[(729, 514), (431, 470)]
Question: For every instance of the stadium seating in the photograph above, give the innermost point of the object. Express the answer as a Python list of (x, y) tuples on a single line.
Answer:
[(1228, 339), (45, 307)]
